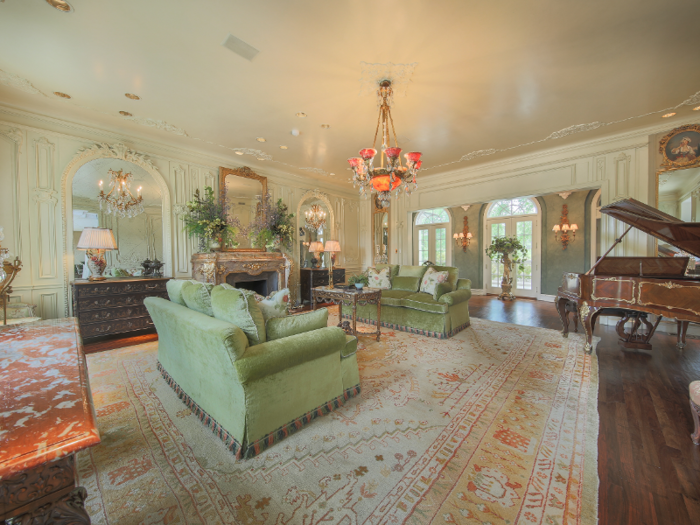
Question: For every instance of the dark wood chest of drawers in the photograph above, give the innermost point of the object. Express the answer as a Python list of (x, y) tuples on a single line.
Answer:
[(312, 277), (115, 306)]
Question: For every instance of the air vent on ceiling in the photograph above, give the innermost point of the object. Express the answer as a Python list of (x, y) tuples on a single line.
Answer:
[(239, 47)]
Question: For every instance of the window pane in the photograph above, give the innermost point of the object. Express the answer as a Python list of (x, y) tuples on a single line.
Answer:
[(440, 247), (506, 208), (423, 248), (524, 234), (436, 216), (497, 230), (500, 209)]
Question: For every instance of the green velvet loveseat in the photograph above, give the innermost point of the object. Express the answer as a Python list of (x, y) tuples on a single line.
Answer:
[(405, 308), (251, 397)]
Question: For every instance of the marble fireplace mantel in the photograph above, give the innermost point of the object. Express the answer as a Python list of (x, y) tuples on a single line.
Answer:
[(215, 267)]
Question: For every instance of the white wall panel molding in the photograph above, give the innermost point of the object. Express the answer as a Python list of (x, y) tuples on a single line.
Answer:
[(15, 135), (622, 175), (44, 155)]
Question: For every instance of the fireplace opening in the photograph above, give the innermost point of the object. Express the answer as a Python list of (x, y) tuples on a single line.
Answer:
[(263, 284)]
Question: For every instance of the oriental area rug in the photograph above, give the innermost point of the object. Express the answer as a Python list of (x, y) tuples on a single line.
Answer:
[(496, 425)]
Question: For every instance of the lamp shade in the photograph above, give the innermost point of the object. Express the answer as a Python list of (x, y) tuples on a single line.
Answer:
[(332, 246), (316, 246), (97, 239)]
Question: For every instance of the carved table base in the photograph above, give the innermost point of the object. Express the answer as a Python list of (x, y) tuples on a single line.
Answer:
[(352, 298)]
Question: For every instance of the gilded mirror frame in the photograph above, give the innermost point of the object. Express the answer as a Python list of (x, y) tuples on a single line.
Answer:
[(246, 173), (378, 210), (672, 164)]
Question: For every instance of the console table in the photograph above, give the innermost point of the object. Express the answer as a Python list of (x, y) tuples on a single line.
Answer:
[(350, 297), (115, 306), (44, 372)]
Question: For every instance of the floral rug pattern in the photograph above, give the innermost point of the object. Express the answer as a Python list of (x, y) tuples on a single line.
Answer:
[(497, 425)]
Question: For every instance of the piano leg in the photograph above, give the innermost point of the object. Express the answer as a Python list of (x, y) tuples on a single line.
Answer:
[(587, 316), (681, 328), (563, 315)]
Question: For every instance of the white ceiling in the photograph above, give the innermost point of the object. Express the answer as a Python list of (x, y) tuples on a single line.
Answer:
[(487, 75)]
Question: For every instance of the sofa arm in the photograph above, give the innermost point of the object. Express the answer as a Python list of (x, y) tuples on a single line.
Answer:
[(441, 289), (456, 297), (464, 284), (280, 354)]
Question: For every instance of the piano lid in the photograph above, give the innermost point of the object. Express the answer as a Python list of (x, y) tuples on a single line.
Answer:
[(667, 228)]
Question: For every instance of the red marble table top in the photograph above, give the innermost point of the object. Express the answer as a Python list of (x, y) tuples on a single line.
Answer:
[(46, 409)]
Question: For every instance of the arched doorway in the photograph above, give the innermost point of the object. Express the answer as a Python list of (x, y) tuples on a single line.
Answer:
[(519, 217), (432, 237)]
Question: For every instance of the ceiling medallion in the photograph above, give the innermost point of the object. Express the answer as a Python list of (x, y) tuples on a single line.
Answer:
[(132, 96), (315, 217), (62, 95), (394, 176), (60, 5), (119, 201), (125, 113)]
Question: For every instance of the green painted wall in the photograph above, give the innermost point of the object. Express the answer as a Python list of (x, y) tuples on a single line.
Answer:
[(470, 264)]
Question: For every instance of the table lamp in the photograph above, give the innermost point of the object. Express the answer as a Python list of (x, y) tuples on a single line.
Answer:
[(333, 247), (96, 241), (315, 247)]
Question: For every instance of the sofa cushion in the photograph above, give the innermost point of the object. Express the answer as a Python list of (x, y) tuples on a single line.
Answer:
[(425, 303), (393, 269), (394, 297), (406, 284), (453, 274), (238, 307), (197, 296), (174, 288), (412, 271), (431, 279), (379, 278), (275, 305), (279, 327)]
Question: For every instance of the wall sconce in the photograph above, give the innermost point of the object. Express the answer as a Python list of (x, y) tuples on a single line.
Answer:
[(464, 238), (565, 232)]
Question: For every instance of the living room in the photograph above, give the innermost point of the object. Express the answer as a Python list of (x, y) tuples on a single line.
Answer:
[(395, 145)]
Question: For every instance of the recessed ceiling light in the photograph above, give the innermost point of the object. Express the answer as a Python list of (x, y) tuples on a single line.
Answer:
[(261, 139), (60, 5), (62, 95), (301, 114), (332, 174), (125, 113), (696, 108), (325, 126), (284, 147), (132, 96), (667, 115), (260, 158), (239, 153), (296, 132)]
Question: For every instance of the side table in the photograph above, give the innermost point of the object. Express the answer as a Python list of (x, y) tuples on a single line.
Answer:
[(350, 297)]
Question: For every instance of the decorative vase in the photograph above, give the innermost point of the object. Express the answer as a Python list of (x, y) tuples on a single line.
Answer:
[(507, 280), (97, 265), (214, 246), (359, 286)]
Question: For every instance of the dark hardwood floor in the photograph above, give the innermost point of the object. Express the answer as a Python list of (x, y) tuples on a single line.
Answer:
[(118, 342), (649, 469)]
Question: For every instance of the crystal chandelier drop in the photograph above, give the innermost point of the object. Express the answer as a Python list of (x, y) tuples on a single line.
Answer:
[(119, 201), (315, 217), (390, 175)]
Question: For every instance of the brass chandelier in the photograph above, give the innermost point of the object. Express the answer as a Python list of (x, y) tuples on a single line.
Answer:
[(315, 217), (383, 180), (119, 200)]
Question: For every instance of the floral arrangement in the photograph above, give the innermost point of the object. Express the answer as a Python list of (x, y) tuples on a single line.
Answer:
[(273, 227), (507, 246), (206, 219)]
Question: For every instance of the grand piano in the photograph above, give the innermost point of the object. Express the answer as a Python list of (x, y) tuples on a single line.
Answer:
[(633, 287)]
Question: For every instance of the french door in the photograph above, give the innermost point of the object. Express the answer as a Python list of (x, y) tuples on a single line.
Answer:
[(526, 282), (431, 244)]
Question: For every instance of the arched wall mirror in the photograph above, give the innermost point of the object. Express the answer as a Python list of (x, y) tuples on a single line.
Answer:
[(380, 233), (314, 222), (678, 180), (242, 190), (138, 238)]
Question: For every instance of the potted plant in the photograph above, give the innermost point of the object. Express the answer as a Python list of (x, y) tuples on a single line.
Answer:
[(509, 251), (207, 219), (273, 229), (359, 280)]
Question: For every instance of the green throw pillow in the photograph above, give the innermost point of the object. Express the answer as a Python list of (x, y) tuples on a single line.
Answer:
[(406, 284), (174, 288), (279, 327), (197, 296), (238, 306), (275, 305)]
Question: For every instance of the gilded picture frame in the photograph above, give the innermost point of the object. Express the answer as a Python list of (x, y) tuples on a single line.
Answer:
[(681, 148), (247, 173)]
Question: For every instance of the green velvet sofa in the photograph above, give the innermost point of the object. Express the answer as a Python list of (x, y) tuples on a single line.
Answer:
[(251, 397), (405, 308)]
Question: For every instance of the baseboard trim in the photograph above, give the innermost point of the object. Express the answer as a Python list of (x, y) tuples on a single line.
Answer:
[(478, 291), (546, 297)]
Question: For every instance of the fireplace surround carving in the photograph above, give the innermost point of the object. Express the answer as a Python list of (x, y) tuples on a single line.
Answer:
[(239, 267)]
